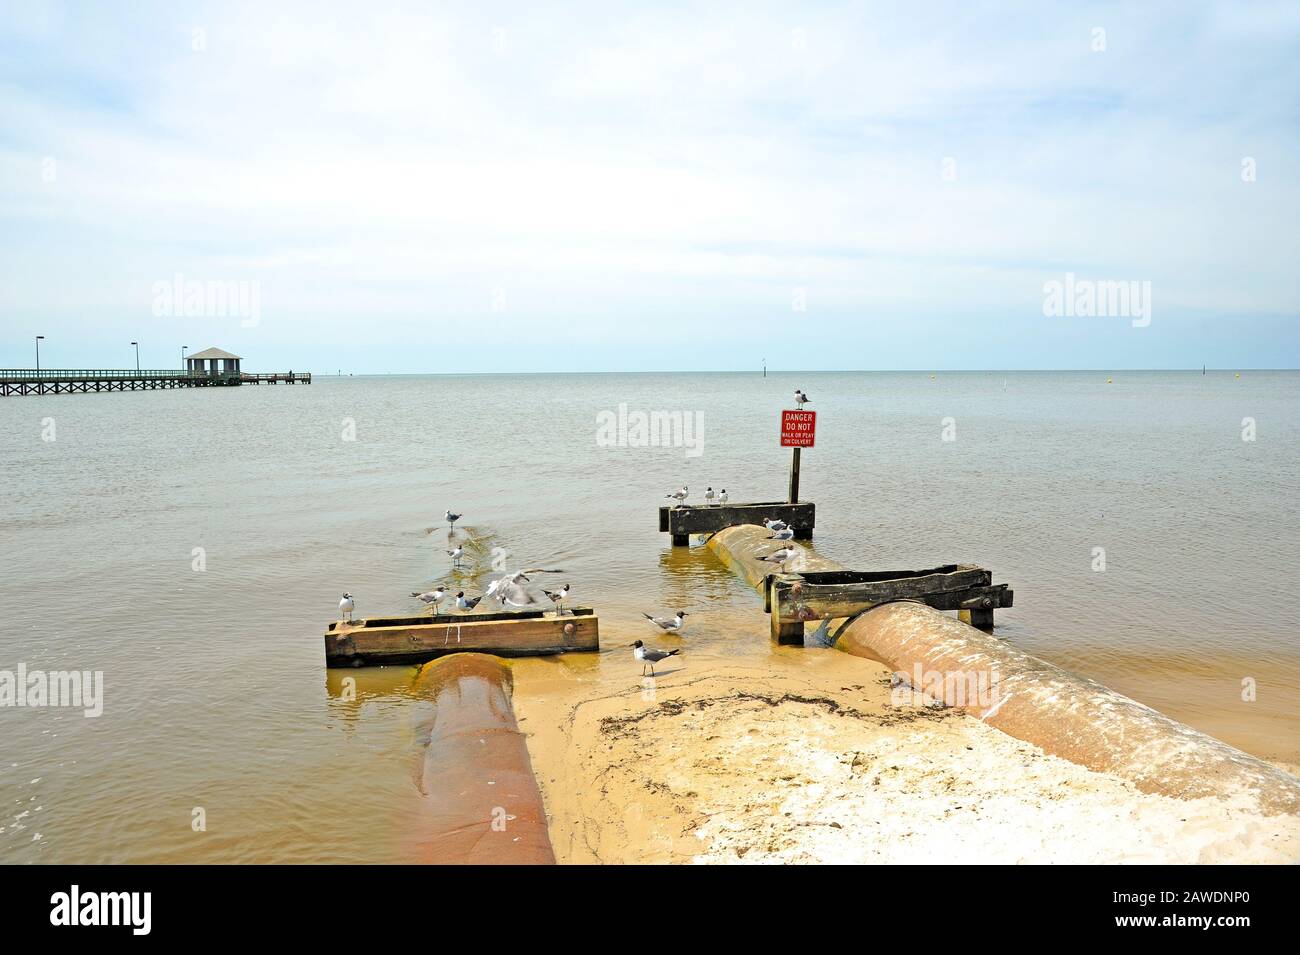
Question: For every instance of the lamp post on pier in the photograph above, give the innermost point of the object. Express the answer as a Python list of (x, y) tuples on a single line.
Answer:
[(137, 355), (38, 351), (183, 347)]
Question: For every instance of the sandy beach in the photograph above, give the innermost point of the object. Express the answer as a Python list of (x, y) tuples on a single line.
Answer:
[(741, 764)]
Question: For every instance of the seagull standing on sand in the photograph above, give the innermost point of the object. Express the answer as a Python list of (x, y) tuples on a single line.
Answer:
[(800, 399), (347, 605), (451, 519), (668, 624), (679, 495), (709, 495), (456, 555), (649, 656), (432, 597), (558, 597), (465, 603), (722, 498)]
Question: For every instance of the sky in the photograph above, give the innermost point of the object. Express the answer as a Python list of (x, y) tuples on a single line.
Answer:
[(521, 187)]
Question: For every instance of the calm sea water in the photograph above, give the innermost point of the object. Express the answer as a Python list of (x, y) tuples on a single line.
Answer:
[(216, 694)]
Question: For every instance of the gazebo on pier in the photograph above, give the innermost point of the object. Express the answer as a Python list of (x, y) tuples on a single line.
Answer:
[(214, 362)]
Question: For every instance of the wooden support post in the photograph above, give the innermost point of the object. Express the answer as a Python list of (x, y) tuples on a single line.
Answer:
[(681, 540), (794, 478), (784, 633), (978, 617)]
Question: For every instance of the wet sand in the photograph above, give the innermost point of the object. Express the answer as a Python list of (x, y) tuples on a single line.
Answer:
[(801, 756)]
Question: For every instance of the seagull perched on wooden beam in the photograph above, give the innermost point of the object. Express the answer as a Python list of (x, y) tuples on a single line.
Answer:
[(432, 597), (679, 495), (466, 603), (347, 605), (558, 597)]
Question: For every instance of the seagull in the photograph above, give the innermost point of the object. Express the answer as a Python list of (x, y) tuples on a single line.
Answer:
[(800, 399), (465, 603), (433, 597), (451, 519), (709, 495), (649, 655), (784, 534), (456, 555), (668, 624), (722, 498), (679, 495), (558, 596), (347, 605), (772, 524), (780, 556), (509, 590)]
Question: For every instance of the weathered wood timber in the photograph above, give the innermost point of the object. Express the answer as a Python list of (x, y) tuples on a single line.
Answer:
[(378, 641), (795, 599), (817, 588), (826, 596), (682, 520)]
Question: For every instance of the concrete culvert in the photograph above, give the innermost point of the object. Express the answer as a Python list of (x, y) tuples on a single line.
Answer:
[(480, 802)]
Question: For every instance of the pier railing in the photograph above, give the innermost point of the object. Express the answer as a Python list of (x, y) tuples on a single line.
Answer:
[(56, 381), (99, 374)]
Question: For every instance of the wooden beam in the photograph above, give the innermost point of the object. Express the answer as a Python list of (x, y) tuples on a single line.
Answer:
[(786, 632), (378, 641), (686, 519), (955, 587)]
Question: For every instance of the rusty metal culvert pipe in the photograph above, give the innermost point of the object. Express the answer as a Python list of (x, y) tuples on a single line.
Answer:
[(1064, 714), (479, 803), (1061, 712)]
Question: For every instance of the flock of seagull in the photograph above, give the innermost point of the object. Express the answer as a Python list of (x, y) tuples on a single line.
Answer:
[(509, 591)]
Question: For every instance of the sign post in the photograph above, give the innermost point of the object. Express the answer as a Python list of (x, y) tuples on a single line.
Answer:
[(798, 431)]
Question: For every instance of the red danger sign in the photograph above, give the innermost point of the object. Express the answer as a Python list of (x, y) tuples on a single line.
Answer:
[(798, 429)]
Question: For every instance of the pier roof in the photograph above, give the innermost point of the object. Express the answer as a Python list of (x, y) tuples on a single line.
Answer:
[(212, 353)]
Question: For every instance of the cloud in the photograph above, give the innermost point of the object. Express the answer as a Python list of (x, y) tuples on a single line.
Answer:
[(624, 174)]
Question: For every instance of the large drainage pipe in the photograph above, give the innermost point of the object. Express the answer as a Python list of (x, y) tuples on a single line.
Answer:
[(480, 802), (1030, 699)]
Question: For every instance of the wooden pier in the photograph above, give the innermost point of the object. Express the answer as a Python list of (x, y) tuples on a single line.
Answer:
[(683, 520), (66, 381), (378, 641), (276, 377)]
